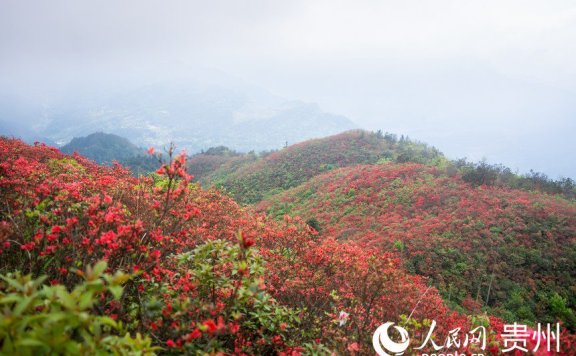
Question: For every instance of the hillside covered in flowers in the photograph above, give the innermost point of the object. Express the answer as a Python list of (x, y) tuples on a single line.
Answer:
[(508, 252), (250, 178), (95, 260)]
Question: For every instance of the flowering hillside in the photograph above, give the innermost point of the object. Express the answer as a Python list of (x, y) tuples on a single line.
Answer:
[(93, 260), (508, 252), (249, 180)]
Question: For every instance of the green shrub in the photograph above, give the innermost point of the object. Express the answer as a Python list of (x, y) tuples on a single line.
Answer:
[(41, 319)]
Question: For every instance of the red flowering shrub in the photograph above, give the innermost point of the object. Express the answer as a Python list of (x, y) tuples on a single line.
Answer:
[(61, 213), (215, 299), (347, 291)]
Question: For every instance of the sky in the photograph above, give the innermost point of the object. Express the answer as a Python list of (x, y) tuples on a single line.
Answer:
[(492, 79)]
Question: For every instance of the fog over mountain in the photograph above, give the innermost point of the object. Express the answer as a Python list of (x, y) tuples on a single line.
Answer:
[(193, 108), (465, 108), (491, 79)]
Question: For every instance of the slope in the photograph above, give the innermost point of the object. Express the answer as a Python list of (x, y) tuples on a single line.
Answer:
[(510, 251), (253, 179)]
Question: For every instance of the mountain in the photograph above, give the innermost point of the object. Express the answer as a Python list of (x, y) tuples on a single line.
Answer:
[(510, 252), (487, 238), (250, 178), (195, 109)]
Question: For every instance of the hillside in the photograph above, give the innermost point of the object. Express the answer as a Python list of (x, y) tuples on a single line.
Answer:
[(94, 260), (217, 163), (510, 252), (103, 147), (106, 148), (251, 179)]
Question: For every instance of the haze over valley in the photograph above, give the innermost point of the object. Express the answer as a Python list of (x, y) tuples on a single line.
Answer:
[(476, 80)]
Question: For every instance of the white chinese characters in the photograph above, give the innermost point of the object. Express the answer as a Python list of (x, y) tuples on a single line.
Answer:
[(518, 337)]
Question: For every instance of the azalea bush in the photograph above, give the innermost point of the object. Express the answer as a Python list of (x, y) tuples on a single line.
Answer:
[(215, 300), (347, 291)]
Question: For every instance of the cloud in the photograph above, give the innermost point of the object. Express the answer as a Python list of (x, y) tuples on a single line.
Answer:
[(434, 68), (539, 34)]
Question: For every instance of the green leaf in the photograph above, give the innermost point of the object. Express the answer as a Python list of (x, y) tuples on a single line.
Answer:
[(31, 343), (120, 277), (39, 281), (65, 298), (19, 287), (99, 268), (9, 299), (86, 301), (116, 291), (22, 305), (106, 320)]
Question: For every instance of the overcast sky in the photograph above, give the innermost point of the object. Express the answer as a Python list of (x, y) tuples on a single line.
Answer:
[(474, 78)]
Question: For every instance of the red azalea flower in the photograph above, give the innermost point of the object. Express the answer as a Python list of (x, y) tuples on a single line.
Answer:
[(194, 335), (353, 347), (211, 325)]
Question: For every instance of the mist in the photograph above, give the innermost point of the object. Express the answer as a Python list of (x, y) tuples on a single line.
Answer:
[(491, 79)]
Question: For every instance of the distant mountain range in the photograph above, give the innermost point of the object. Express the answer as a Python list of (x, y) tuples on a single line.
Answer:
[(195, 109)]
